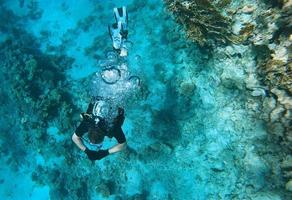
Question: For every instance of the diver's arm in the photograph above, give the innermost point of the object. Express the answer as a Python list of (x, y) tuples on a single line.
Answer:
[(118, 147), (78, 141)]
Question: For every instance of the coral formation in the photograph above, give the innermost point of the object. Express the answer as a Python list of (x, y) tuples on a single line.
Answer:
[(275, 70), (35, 83), (203, 22), (34, 11), (37, 80), (269, 33)]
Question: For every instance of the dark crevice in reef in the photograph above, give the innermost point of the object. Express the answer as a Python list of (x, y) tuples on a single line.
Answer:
[(167, 117)]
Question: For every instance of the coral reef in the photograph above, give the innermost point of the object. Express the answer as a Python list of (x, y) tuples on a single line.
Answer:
[(38, 90), (275, 71), (268, 31), (271, 42), (197, 122), (34, 11), (36, 80), (203, 22)]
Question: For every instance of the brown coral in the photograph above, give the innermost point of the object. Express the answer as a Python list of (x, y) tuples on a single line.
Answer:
[(247, 30), (204, 24), (275, 70), (276, 73)]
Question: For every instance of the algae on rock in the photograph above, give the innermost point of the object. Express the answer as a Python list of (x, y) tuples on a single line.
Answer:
[(275, 71), (204, 24), (273, 43)]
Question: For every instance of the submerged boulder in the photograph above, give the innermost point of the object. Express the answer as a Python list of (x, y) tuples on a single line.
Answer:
[(289, 186), (187, 89)]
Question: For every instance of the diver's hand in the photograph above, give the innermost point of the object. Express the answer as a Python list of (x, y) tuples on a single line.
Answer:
[(96, 155), (102, 153)]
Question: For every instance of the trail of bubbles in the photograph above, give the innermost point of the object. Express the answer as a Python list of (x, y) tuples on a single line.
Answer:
[(113, 85)]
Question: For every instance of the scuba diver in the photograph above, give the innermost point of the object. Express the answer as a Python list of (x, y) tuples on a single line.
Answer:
[(111, 87), (98, 127)]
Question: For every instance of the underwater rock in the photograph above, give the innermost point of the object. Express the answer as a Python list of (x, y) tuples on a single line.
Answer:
[(218, 166), (288, 185), (276, 129), (251, 81), (257, 169), (203, 22), (280, 53), (248, 9), (274, 70), (232, 79), (277, 113), (283, 98), (247, 30), (286, 167), (253, 105), (266, 27), (187, 89), (222, 4), (269, 104), (258, 92), (103, 189), (287, 174), (287, 163)]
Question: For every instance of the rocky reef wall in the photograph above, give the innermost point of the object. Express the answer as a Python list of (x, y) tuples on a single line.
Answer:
[(265, 28), (203, 22)]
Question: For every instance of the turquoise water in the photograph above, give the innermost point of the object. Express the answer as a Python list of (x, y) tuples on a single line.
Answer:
[(193, 132)]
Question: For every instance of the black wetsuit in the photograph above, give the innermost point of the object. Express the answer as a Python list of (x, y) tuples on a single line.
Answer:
[(103, 128)]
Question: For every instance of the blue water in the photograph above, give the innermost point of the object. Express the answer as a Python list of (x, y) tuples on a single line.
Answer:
[(191, 132)]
